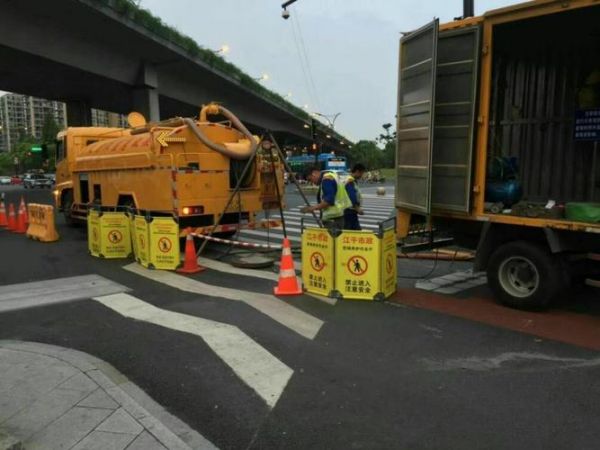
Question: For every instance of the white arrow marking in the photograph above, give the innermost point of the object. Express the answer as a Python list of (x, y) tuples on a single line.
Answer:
[(255, 366)]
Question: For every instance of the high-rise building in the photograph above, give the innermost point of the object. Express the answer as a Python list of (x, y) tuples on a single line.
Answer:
[(108, 119), (22, 115)]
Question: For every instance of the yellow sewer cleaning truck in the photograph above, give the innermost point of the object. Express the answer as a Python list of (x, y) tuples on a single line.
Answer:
[(180, 167)]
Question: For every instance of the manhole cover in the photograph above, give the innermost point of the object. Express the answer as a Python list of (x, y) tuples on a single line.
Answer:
[(252, 261)]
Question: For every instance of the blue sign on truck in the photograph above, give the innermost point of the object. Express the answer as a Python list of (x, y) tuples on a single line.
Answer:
[(587, 125)]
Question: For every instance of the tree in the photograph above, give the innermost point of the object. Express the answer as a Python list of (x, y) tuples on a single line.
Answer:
[(389, 141), (49, 131), (366, 153), (389, 154), (386, 137)]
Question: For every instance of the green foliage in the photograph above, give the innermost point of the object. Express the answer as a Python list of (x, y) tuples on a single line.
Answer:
[(144, 18), (6, 164), (389, 154), (49, 129), (366, 153), (388, 139)]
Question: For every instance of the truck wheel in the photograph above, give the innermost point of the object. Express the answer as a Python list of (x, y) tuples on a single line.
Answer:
[(67, 204), (525, 275)]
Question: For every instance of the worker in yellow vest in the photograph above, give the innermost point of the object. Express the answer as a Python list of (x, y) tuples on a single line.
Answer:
[(351, 214), (332, 198)]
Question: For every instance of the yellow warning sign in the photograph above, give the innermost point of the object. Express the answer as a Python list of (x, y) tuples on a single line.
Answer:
[(317, 261), (141, 231), (93, 225), (389, 279), (164, 243), (115, 241), (357, 265)]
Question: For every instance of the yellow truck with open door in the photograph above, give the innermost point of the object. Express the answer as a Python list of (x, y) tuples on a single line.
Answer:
[(180, 167), (497, 129)]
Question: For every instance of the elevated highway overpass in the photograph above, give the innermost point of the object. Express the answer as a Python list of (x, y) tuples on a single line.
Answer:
[(93, 54)]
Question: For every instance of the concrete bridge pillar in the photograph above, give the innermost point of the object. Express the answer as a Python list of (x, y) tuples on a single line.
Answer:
[(145, 93), (79, 114)]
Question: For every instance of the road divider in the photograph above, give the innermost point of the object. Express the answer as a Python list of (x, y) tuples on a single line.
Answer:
[(42, 224)]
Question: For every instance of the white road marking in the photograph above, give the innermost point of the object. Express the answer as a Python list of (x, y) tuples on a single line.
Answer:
[(275, 236), (39, 293), (255, 366), (228, 268), (296, 320), (368, 218)]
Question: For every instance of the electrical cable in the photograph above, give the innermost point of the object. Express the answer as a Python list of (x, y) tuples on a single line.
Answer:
[(306, 79), (296, 20), (428, 274)]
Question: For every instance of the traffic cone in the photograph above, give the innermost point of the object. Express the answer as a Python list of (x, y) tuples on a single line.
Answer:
[(288, 283), (190, 261), (3, 221), (21, 227), (24, 207), (12, 220)]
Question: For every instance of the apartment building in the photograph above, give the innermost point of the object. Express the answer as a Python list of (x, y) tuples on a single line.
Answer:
[(22, 115)]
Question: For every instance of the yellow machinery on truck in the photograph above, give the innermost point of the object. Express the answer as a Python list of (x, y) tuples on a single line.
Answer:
[(497, 118), (179, 167)]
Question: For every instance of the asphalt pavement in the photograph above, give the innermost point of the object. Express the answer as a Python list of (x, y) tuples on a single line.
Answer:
[(366, 375)]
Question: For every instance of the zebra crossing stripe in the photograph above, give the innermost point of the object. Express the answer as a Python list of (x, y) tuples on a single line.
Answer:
[(228, 268), (253, 364), (290, 317), (368, 217)]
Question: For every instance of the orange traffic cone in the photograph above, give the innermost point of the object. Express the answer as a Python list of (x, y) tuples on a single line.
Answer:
[(21, 217), (288, 283), (190, 262), (12, 220), (3, 221), (24, 207)]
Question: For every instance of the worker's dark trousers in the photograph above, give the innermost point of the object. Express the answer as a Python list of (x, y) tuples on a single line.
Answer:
[(351, 221), (334, 224)]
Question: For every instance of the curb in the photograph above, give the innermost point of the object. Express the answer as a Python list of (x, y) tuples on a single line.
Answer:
[(166, 428)]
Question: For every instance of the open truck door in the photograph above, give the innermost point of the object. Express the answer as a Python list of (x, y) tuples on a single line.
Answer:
[(437, 96), (454, 119), (416, 95)]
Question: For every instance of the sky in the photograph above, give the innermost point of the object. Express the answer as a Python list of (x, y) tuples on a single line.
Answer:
[(351, 48)]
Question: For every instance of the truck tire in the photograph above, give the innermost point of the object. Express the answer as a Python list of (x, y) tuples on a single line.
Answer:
[(525, 275), (67, 204)]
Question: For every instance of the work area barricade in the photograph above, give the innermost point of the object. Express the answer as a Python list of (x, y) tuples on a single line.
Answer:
[(109, 235), (352, 265), (42, 225), (156, 242)]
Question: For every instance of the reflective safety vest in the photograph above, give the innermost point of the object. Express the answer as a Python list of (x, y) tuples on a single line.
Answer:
[(351, 180), (342, 201)]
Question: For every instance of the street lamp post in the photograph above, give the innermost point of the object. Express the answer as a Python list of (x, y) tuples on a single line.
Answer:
[(263, 77), (330, 118), (223, 50)]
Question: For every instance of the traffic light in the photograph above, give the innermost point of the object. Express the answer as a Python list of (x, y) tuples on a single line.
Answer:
[(36, 148)]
